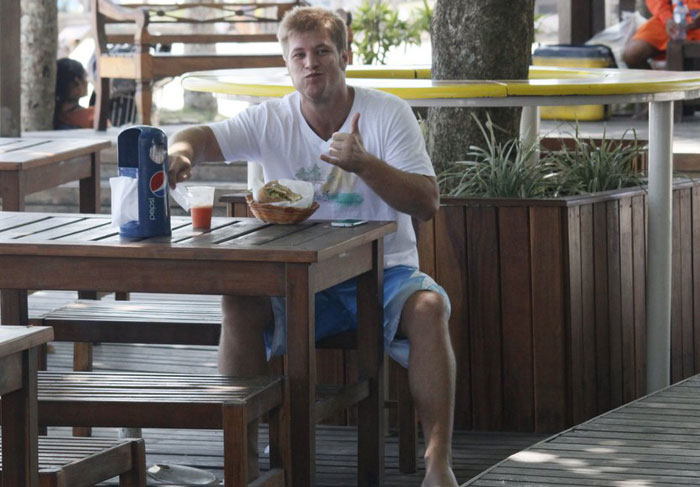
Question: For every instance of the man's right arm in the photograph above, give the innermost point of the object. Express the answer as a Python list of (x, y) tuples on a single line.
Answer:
[(188, 147)]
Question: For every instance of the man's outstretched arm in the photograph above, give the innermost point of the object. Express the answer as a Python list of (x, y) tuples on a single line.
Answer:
[(188, 147)]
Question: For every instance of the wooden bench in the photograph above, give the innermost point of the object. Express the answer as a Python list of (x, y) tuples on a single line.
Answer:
[(239, 23), (185, 401), (194, 321), (654, 440), (82, 462)]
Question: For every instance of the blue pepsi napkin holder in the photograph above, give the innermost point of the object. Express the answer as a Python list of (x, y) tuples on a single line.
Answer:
[(143, 155)]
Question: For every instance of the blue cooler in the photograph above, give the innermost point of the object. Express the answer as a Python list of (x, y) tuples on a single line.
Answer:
[(143, 155)]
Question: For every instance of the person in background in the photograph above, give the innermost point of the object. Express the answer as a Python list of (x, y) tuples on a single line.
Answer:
[(651, 38), (71, 86)]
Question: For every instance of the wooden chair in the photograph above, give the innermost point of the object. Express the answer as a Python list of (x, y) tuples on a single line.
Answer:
[(82, 462), (195, 322), (144, 26)]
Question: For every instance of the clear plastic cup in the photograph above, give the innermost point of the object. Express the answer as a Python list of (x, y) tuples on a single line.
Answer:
[(201, 199)]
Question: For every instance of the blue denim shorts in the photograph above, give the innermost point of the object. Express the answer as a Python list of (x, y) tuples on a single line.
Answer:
[(336, 311)]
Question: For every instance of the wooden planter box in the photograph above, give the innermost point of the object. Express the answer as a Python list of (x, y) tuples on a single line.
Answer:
[(548, 303)]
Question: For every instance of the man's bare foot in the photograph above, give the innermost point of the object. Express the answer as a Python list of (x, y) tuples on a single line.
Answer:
[(442, 478), (438, 472), (438, 467)]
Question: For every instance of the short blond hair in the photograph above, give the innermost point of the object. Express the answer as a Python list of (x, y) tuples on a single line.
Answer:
[(313, 19)]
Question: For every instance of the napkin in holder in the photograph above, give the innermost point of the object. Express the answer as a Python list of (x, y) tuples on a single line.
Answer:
[(140, 205)]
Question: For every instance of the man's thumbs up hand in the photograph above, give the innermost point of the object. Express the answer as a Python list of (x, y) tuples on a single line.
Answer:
[(355, 124), (347, 150)]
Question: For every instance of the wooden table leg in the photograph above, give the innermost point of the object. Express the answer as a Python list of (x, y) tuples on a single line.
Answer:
[(20, 440), (90, 187), (14, 309), (370, 342), (12, 190), (90, 202), (302, 373), (19, 408)]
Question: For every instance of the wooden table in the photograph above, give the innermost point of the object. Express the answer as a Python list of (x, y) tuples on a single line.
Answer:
[(18, 365), (240, 257), (28, 165)]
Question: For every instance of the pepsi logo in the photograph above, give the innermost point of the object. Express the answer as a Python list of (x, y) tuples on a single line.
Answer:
[(158, 184)]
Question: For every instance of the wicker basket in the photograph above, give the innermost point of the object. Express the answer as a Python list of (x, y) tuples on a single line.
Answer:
[(279, 214)]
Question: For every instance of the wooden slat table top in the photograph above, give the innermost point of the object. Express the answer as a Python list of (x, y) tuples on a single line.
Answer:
[(26, 153), (14, 339), (241, 239), (654, 440)]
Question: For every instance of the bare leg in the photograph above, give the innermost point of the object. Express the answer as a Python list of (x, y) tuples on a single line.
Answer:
[(431, 376), (242, 350), (637, 52)]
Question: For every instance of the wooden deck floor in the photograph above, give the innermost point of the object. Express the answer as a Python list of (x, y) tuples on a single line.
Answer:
[(336, 446), (653, 441)]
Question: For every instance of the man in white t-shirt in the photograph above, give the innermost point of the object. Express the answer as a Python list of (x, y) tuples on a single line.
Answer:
[(364, 153)]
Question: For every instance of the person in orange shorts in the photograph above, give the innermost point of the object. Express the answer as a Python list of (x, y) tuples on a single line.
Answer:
[(651, 38)]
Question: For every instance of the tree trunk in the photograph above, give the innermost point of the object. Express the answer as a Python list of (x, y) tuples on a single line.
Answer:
[(476, 40), (39, 41)]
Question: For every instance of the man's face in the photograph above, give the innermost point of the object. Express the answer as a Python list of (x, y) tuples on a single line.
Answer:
[(316, 67)]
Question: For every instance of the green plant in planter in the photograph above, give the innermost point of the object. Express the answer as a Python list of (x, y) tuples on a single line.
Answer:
[(501, 170), (594, 166), (509, 170), (378, 28)]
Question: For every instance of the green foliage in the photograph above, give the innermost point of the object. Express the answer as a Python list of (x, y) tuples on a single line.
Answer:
[(511, 170), (378, 28), (423, 17), (593, 166), (501, 170)]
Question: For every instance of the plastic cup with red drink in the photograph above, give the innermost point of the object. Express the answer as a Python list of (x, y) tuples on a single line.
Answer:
[(201, 199)]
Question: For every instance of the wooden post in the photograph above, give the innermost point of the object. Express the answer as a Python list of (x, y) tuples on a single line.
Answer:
[(9, 69), (597, 17), (626, 6), (579, 20)]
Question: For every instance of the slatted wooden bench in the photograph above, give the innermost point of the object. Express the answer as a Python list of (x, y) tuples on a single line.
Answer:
[(195, 321), (184, 401), (654, 440), (79, 462)]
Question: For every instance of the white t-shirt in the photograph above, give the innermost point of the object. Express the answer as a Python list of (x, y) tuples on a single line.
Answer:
[(276, 135)]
